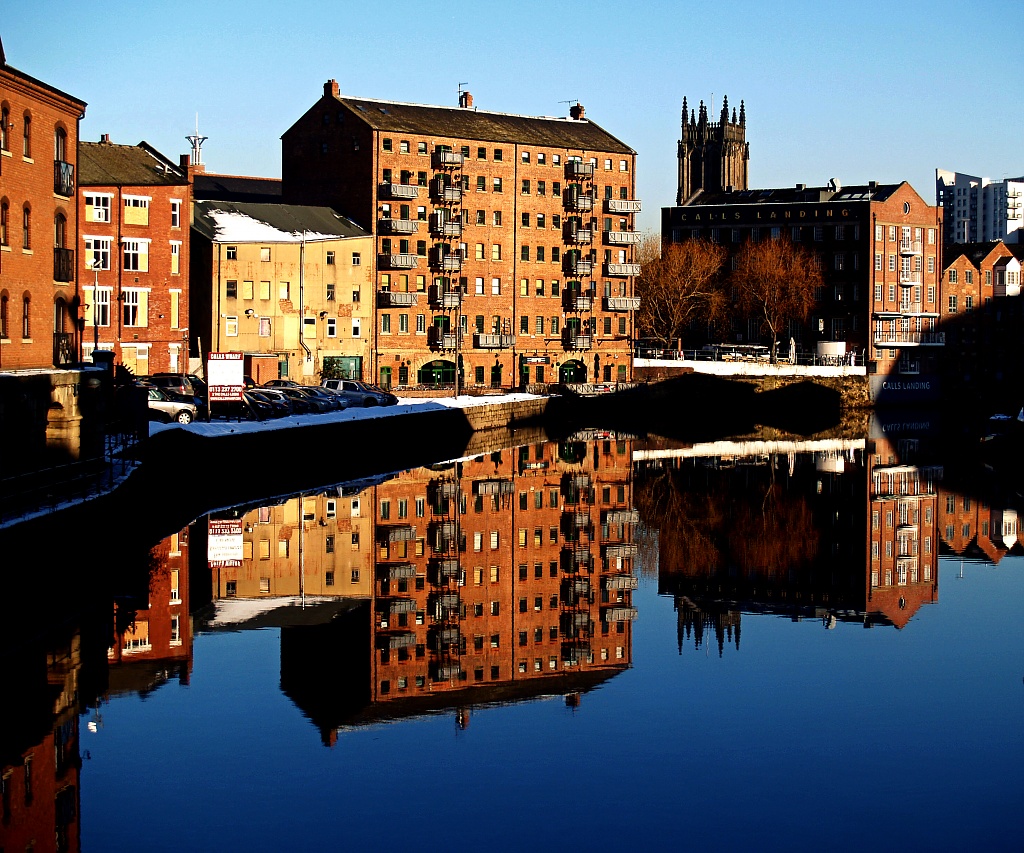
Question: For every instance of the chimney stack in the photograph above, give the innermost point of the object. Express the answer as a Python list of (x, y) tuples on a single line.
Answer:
[(576, 112), (331, 88), (105, 139), (465, 100)]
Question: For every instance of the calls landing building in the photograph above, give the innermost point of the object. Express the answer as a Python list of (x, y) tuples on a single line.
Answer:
[(878, 246), (504, 243)]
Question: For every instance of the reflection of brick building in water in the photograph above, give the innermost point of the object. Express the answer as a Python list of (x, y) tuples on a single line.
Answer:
[(160, 632), (904, 550), (512, 566), (39, 786), (332, 556), (973, 529), (846, 536)]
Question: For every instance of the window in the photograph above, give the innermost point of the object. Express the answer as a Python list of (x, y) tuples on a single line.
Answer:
[(26, 227), (952, 276), (97, 249), (526, 187), (497, 185), (495, 287), (356, 259), (403, 324), (136, 209), (176, 261), (231, 327), (623, 165), (542, 187), (265, 254), (4, 316), (231, 290), (97, 208), (385, 324), (481, 184), (332, 327), (403, 146), (136, 255), (355, 327), (496, 252), (26, 317), (952, 304), (5, 120), (496, 218), (175, 213), (26, 138), (421, 324), (421, 147), (134, 313), (524, 253), (5, 214)]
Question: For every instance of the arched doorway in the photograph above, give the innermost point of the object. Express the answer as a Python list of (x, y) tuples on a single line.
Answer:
[(572, 372), (437, 373)]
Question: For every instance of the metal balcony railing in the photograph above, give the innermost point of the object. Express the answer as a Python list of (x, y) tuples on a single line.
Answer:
[(622, 238), (397, 261), (445, 298), (398, 226), (621, 205), (402, 191), (63, 178), (493, 341), (576, 170), (573, 265), (622, 303), (573, 341), (444, 159), (573, 300), (621, 270), (393, 299), (63, 264)]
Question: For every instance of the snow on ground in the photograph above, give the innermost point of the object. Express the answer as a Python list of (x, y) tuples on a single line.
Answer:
[(406, 406)]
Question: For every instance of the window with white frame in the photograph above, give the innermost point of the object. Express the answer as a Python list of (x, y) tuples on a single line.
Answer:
[(175, 213), (356, 327), (231, 327), (266, 330), (176, 257), (97, 207), (332, 327), (97, 248), (136, 209), (134, 307), (135, 255)]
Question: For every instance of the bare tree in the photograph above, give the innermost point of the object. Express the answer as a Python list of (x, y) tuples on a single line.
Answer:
[(678, 284), (775, 283)]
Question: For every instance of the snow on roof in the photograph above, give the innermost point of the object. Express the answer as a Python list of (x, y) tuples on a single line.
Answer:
[(235, 227)]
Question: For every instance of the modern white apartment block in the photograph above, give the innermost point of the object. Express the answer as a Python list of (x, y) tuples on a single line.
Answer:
[(978, 210)]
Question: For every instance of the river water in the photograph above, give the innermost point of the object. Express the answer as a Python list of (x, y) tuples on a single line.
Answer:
[(603, 641)]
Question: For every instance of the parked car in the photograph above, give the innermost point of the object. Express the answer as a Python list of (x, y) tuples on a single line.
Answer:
[(335, 402), (359, 393), (260, 407), (184, 383), (302, 404), (169, 408), (280, 383), (279, 405)]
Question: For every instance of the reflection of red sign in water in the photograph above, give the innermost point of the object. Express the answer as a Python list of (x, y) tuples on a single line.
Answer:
[(224, 543), (225, 374)]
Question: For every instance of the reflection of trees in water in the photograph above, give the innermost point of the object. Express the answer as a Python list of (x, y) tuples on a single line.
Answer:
[(743, 521)]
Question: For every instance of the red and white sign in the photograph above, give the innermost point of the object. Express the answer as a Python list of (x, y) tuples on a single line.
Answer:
[(225, 376), (224, 543)]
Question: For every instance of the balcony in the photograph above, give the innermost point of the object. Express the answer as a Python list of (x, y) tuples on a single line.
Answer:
[(445, 261), (445, 193), (449, 299), (444, 159), (577, 170), (910, 247), (443, 638), (573, 341), (392, 299), (622, 303), (573, 589), (399, 191), (573, 300), (401, 640), (621, 516), (63, 264), (443, 340), (622, 238), (621, 270), (577, 201), (445, 671), (576, 560), (493, 341), (619, 582), (908, 278), (63, 179), (576, 521), (573, 233), (621, 205), (910, 339), (444, 605), (389, 534), (439, 491), (397, 261), (442, 227), (393, 606), (623, 550), (444, 571), (396, 571), (494, 486), (398, 226), (618, 614), (573, 265)]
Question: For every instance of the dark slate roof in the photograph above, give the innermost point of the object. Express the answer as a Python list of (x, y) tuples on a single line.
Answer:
[(291, 219), (791, 195), (974, 252), (471, 123), (107, 164), (235, 188)]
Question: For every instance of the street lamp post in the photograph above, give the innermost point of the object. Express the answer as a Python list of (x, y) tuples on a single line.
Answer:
[(95, 305)]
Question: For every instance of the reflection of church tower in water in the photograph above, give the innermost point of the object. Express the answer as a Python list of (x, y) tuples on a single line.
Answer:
[(713, 156)]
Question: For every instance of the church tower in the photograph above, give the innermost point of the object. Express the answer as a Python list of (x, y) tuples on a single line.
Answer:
[(712, 155)]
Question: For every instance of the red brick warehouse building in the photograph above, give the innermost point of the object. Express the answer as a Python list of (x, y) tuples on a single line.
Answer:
[(487, 228), (134, 208), (38, 145)]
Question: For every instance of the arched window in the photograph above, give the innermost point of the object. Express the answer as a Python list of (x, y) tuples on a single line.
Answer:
[(26, 227), (5, 126), (5, 328), (5, 216), (60, 231), (26, 316), (26, 138), (60, 144)]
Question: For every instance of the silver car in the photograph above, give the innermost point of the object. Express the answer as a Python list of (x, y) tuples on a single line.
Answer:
[(170, 408)]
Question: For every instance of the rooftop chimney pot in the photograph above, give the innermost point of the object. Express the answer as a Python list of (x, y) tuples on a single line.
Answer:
[(577, 112), (105, 139), (465, 100), (331, 88)]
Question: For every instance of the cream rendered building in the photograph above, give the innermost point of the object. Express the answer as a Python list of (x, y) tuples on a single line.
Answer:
[(263, 272)]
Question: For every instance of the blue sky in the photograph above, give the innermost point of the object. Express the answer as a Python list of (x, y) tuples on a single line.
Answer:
[(854, 90)]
